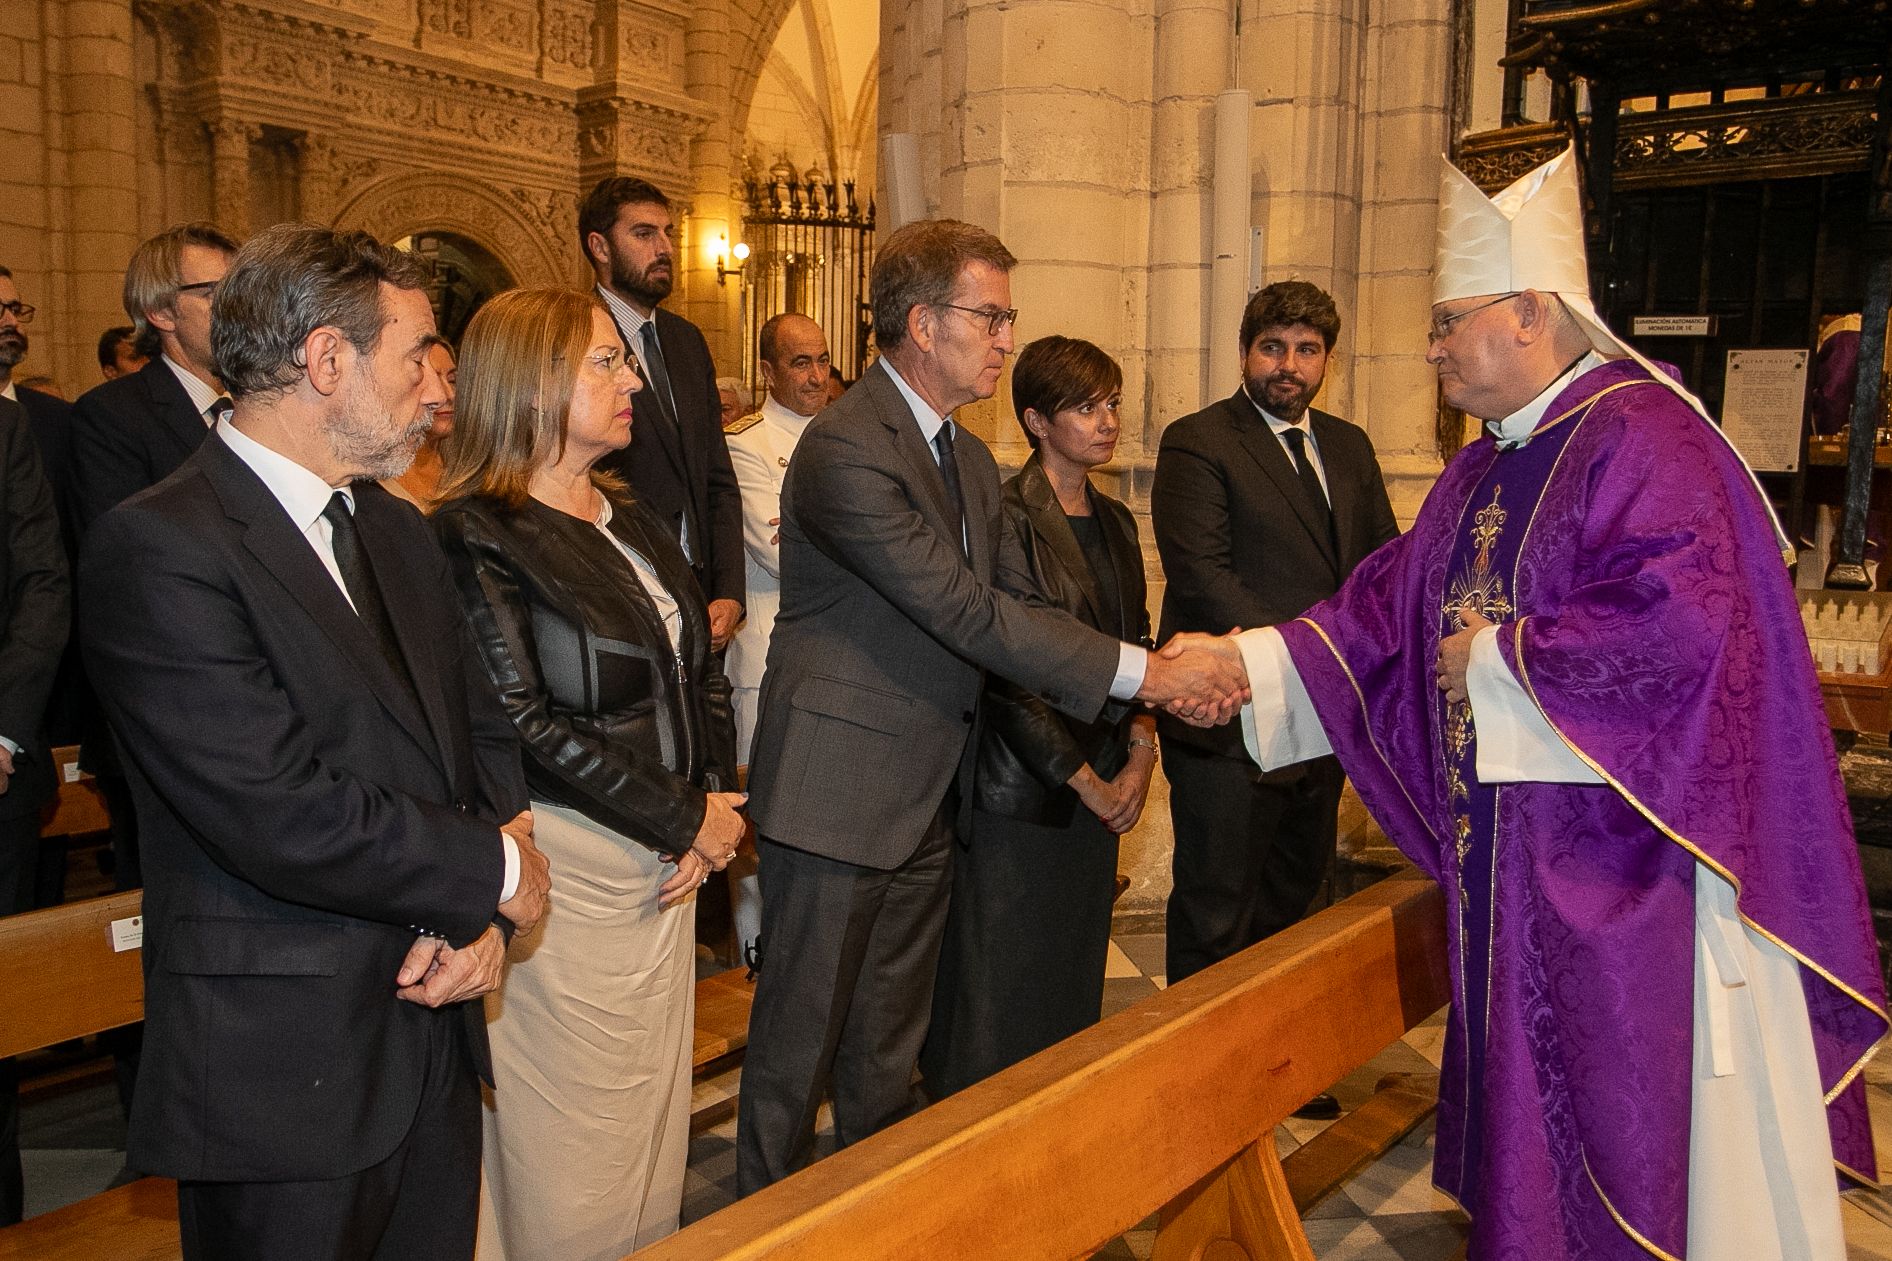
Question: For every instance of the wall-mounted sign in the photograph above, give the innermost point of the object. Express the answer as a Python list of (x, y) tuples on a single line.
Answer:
[(1763, 406), (1674, 325)]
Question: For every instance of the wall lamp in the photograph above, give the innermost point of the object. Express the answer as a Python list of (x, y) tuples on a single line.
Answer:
[(740, 251)]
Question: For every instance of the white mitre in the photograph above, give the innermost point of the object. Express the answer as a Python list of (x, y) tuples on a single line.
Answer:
[(1530, 236)]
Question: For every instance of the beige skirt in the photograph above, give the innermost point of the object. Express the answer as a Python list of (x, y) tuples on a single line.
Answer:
[(587, 1129)]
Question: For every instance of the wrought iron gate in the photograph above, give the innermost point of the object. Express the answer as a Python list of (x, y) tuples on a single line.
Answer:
[(810, 248)]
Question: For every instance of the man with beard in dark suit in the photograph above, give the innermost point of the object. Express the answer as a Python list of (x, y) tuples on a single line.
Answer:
[(677, 463), (1262, 506), (336, 838)]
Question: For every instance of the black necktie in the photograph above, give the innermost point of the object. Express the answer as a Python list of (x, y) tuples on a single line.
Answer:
[(652, 357), (949, 471), (219, 409), (1304, 468), (1310, 480), (358, 577)]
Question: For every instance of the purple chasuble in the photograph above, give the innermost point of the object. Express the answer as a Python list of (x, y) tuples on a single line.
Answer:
[(1646, 611)]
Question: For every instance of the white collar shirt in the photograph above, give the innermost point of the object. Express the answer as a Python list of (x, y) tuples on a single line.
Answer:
[(630, 320), (204, 396), (1279, 428), (1515, 430), (302, 494)]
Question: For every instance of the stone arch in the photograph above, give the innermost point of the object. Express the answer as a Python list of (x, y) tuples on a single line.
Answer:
[(518, 225), (765, 21)]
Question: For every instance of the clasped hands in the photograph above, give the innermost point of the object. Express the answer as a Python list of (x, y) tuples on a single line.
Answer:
[(435, 974), (1198, 678)]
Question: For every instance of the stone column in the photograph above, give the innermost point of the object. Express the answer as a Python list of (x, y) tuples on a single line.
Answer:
[(320, 192), (91, 179), (714, 219), (230, 174), (1192, 59), (1405, 126)]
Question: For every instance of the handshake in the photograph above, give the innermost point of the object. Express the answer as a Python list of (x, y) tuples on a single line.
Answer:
[(1198, 678)]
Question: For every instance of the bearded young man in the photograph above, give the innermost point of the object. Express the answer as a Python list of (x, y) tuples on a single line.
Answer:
[(1262, 506), (677, 463)]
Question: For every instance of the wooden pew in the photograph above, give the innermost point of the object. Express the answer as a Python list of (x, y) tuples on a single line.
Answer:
[(78, 808), (1168, 1107), (61, 979)]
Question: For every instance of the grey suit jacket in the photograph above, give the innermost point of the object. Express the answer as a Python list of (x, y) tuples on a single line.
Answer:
[(886, 630)]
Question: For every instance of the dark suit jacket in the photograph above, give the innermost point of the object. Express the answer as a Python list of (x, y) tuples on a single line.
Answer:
[(34, 607), (679, 466), (1241, 543), (300, 810), (51, 420), (127, 434), (886, 629), (1028, 750)]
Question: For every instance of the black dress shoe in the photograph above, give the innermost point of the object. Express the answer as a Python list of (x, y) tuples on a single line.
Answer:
[(1322, 1107)]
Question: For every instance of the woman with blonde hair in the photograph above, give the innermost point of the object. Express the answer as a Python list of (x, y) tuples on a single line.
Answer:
[(595, 635)]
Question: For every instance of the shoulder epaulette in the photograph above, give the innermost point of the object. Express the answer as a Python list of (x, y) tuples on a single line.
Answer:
[(746, 423)]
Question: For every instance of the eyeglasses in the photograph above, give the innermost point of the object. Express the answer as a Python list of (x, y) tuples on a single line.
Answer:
[(995, 320), (1443, 325), (607, 362), (206, 287), (21, 313)]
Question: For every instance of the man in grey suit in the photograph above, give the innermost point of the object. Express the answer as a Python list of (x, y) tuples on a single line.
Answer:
[(890, 536)]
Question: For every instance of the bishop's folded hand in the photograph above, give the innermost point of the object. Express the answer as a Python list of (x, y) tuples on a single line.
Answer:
[(1198, 678)]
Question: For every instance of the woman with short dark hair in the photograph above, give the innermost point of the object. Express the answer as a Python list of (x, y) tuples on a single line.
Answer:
[(1023, 962)]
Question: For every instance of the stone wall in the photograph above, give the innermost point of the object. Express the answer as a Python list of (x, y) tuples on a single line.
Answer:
[(1081, 132)]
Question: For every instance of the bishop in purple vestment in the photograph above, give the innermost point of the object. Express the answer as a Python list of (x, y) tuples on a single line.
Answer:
[(1578, 694)]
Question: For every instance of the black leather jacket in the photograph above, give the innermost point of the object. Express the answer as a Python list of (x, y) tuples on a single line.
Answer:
[(1028, 750), (614, 724)]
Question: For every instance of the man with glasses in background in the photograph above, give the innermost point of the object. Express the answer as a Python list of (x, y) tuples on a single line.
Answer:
[(890, 543), (134, 430)]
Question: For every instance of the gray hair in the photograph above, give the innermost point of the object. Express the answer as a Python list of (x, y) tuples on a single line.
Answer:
[(919, 265), (289, 281), (156, 269)]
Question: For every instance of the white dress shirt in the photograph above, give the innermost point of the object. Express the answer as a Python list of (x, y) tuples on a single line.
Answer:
[(1279, 428), (204, 395), (1132, 660), (303, 495)]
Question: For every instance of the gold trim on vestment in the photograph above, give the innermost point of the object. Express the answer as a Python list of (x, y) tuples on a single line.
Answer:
[(1366, 723), (1706, 860), (1641, 1239)]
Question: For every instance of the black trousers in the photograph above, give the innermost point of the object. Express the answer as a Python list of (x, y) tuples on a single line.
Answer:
[(420, 1204), (1248, 857), (844, 997), (19, 863)]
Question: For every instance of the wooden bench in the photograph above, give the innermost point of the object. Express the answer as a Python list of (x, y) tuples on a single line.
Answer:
[(62, 980), (78, 808), (1169, 1107)]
